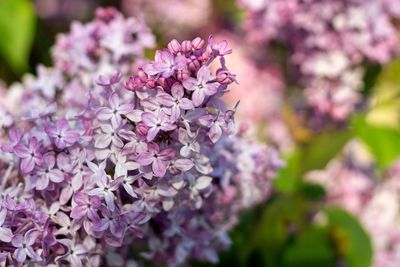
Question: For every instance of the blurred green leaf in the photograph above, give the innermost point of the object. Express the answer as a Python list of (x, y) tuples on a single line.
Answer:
[(385, 98), (322, 149), (352, 241), (310, 156), (282, 216), (384, 143), (17, 27), (288, 177), (311, 248)]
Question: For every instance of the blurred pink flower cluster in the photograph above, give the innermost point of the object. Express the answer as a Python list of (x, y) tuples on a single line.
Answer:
[(328, 43), (261, 89), (352, 181), (173, 18)]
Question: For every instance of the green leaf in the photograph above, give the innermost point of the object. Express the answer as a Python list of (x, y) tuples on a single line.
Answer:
[(288, 178), (322, 149), (273, 231), (17, 27), (310, 156), (384, 143), (352, 241), (311, 248)]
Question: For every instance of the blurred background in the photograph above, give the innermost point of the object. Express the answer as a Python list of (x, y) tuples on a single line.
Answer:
[(319, 80)]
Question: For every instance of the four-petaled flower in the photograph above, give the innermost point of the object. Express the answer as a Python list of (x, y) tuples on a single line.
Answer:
[(24, 246), (105, 188), (30, 155), (175, 101), (165, 64), (156, 122), (202, 87), (61, 134), (117, 111), (159, 160), (47, 172)]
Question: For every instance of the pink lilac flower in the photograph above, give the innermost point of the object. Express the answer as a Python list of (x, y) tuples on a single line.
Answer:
[(202, 86), (176, 101), (24, 246), (29, 154), (61, 134), (156, 123)]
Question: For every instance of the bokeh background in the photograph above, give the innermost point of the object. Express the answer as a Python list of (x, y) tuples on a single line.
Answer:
[(322, 86)]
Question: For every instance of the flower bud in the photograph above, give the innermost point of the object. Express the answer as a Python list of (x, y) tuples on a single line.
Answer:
[(197, 43), (174, 47), (225, 77), (186, 46)]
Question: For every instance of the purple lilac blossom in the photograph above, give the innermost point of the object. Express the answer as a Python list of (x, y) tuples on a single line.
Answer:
[(328, 43), (122, 164)]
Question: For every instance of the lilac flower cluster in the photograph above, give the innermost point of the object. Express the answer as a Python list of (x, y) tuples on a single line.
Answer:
[(352, 182), (328, 42), (89, 167)]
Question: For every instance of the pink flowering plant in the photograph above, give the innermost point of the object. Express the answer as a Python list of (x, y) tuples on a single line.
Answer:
[(96, 164), (330, 45)]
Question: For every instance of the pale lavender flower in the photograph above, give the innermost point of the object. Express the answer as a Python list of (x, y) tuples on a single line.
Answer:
[(61, 134), (156, 123), (105, 188), (176, 101), (158, 159), (202, 86), (30, 155), (23, 245)]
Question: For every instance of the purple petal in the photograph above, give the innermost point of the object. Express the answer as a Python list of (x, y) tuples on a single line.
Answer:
[(32, 254), (183, 164), (177, 90), (78, 212), (159, 168), (109, 197), (31, 237), (204, 74), (27, 165), (104, 114), (215, 133), (165, 99), (21, 151), (5, 235), (145, 158), (20, 254), (152, 133), (186, 104), (190, 84), (149, 119), (56, 176), (103, 141), (198, 97)]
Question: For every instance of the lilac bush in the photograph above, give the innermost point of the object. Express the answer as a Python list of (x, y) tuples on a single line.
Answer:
[(328, 43), (101, 170)]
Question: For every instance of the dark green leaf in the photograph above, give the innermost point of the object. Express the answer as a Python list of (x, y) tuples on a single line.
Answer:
[(352, 241)]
